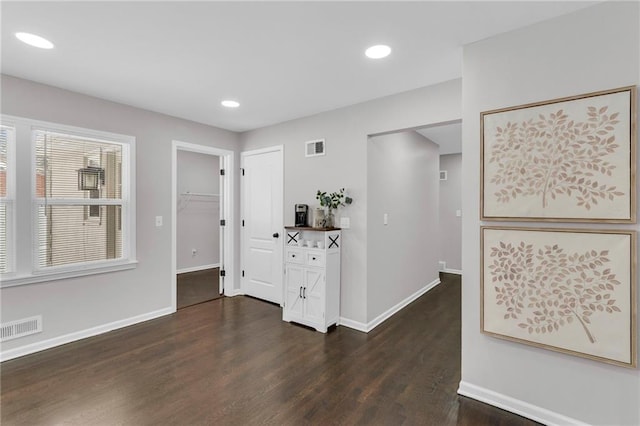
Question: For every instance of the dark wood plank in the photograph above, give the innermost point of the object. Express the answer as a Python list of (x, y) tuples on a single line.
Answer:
[(198, 287), (233, 361)]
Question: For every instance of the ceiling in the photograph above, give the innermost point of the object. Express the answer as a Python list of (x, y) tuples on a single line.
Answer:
[(280, 60)]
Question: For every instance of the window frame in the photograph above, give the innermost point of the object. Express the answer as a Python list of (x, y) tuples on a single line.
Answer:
[(33, 273), (9, 200)]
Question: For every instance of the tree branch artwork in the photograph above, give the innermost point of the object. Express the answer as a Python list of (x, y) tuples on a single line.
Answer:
[(545, 289), (553, 155)]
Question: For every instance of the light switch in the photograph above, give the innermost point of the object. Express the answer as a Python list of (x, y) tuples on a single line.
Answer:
[(158, 221), (458, 213), (385, 219), (345, 222)]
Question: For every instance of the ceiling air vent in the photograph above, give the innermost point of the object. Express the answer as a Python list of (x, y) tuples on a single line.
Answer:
[(443, 175), (314, 148)]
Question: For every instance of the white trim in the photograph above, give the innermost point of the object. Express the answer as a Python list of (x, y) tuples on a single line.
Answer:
[(522, 408), (227, 213), (78, 335), (451, 271), (197, 268), (356, 325), (234, 292), (12, 280), (274, 148), (365, 328)]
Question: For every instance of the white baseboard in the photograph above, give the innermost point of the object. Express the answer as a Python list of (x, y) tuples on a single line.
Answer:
[(197, 268), (530, 411), (451, 271), (83, 334), (233, 292), (389, 312), (356, 325)]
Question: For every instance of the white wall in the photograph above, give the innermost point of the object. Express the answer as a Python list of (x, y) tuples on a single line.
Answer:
[(346, 131), (450, 228), (75, 307), (198, 217), (402, 182), (593, 49)]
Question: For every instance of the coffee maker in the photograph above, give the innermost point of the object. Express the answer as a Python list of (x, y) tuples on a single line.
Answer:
[(302, 212)]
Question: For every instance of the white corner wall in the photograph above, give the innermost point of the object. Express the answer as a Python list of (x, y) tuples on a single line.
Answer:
[(450, 228), (84, 306), (402, 182), (198, 217), (346, 131), (594, 49)]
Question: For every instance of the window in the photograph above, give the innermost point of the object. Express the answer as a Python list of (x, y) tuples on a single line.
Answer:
[(7, 171), (81, 214), (79, 199)]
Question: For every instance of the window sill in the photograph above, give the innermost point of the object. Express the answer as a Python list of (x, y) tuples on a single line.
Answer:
[(11, 280)]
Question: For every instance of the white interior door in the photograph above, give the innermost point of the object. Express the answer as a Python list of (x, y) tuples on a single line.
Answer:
[(262, 199)]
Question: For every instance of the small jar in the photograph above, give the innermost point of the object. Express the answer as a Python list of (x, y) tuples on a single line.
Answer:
[(318, 218)]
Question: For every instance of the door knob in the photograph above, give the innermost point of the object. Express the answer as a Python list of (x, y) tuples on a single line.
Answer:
[(276, 235)]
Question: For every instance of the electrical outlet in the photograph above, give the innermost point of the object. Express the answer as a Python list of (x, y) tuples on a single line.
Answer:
[(158, 220), (194, 252)]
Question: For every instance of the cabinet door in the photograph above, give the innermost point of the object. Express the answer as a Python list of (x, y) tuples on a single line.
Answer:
[(293, 293), (314, 295)]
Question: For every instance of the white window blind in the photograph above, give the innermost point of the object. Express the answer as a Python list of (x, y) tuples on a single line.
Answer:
[(80, 200), (7, 140)]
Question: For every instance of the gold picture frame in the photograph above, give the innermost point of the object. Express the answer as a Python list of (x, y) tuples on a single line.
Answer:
[(566, 290), (570, 159)]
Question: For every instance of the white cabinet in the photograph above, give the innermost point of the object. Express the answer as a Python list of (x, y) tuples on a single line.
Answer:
[(312, 277)]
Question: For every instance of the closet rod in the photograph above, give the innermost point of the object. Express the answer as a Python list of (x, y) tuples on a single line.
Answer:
[(200, 194)]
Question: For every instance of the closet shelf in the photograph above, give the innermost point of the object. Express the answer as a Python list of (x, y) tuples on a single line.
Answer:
[(199, 194)]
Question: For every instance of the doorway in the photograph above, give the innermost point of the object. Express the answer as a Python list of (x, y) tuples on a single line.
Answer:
[(202, 224), (448, 137), (406, 227), (198, 228)]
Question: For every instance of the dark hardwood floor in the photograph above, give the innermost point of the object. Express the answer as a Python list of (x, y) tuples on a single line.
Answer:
[(197, 287), (233, 361)]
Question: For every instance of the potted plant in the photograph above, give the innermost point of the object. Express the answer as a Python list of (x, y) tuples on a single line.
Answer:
[(331, 202)]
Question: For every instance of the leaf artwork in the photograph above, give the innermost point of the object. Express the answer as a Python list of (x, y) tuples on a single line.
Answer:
[(552, 156), (545, 289)]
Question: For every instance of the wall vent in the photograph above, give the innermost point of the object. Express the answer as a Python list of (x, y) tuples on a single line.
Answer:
[(443, 175), (20, 328), (314, 148), (442, 265)]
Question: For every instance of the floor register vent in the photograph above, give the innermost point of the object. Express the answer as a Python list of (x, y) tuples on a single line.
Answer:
[(20, 328)]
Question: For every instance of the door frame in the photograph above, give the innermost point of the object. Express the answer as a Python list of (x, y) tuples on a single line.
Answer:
[(243, 154), (227, 212)]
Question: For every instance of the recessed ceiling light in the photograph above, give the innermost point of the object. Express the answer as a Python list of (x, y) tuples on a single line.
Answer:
[(230, 104), (34, 40), (378, 51)]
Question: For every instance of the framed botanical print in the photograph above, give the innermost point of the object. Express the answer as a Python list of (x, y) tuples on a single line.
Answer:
[(564, 160), (567, 290)]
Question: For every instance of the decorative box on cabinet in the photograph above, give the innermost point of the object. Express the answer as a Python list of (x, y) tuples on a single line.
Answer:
[(312, 277)]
